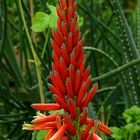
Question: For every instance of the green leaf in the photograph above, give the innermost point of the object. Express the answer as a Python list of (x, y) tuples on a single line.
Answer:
[(53, 16), (80, 20), (132, 115), (40, 22), (56, 111), (12, 63), (41, 134), (132, 128), (117, 133)]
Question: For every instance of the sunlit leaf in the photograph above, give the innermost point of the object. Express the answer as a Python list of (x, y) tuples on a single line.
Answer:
[(40, 22), (41, 134)]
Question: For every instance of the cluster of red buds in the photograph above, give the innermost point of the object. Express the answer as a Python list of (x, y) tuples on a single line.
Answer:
[(70, 86)]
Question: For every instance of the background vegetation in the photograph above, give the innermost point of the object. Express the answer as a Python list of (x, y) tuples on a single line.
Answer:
[(112, 32)]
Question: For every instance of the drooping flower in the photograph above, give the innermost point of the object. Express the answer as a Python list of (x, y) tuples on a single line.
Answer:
[(71, 83)]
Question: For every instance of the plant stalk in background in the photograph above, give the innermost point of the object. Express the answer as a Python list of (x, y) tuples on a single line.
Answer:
[(36, 59)]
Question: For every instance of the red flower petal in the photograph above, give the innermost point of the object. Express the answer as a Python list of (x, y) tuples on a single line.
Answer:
[(86, 132), (50, 134), (90, 95), (84, 116), (69, 88), (43, 107), (81, 93), (63, 4), (72, 108), (44, 119), (55, 47), (63, 67), (77, 81), (95, 137), (65, 54), (71, 74), (70, 42), (86, 74), (61, 103), (60, 132), (70, 125), (56, 91)]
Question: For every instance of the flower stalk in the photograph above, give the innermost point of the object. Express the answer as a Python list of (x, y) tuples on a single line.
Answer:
[(71, 82)]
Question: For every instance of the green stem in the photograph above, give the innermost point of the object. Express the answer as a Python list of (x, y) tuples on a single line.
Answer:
[(36, 59), (45, 45), (117, 70), (106, 89), (87, 48)]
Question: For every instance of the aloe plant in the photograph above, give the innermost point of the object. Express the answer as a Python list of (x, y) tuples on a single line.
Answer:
[(130, 52), (111, 47)]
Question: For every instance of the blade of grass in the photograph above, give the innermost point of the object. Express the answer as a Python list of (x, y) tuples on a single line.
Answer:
[(4, 28), (12, 62), (36, 59)]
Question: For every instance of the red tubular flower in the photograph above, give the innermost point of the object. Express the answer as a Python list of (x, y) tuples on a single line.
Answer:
[(70, 125), (51, 106), (95, 137), (69, 88), (51, 132), (105, 129), (86, 132), (42, 126), (72, 108), (90, 95), (84, 117), (44, 119), (59, 133), (58, 122), (102, 126), (71, 83), (61, 102), (56, 91)]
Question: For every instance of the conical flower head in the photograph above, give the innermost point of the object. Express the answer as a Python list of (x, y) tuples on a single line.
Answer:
[(71, 82), (70, 78)]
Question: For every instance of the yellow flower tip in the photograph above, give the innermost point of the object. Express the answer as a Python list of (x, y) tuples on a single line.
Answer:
[(27, 126), (39, 114)]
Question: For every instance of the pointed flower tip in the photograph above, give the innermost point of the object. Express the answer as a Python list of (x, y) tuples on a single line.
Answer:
[(39, 114), (95, 137), (105, 129), (96, 85), (70, 124), (102, 127)]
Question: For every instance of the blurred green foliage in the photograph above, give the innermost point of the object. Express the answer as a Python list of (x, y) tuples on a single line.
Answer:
[(132, 128)]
